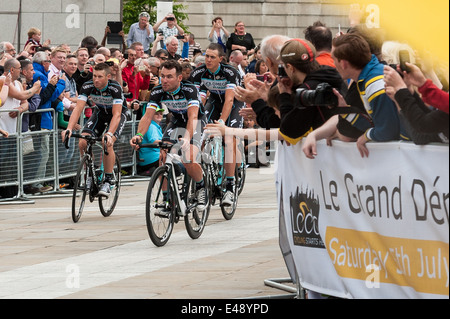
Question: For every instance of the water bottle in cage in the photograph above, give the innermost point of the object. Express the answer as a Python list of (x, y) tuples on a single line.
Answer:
[(217, 145), (180, 172)]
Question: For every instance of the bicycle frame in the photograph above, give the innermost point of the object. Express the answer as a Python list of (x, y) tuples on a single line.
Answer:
[(170, 159)]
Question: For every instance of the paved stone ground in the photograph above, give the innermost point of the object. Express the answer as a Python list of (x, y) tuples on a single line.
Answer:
[(45, 255)]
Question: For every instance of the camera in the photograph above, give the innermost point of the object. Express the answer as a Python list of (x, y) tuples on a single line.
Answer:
[(110, 63), (323, 95), (262, 78), (180, 37), (170, 19), (404, 57), (282, 71)]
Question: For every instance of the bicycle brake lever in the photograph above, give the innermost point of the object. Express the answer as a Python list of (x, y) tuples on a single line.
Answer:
[(66, 140)]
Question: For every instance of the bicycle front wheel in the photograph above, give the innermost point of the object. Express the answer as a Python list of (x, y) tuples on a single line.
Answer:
[(159, 214), (195, 220), (80, 189), (107, 205), (228, 211)]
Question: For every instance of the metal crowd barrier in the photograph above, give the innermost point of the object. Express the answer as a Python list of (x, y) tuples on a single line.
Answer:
[(18, 171)]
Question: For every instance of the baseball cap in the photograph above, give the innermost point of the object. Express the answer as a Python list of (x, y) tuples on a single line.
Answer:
[(297, 51)]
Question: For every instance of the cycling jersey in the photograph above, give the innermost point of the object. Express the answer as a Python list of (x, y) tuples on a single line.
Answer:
[(226, 77), (177, 102), (103, 99)]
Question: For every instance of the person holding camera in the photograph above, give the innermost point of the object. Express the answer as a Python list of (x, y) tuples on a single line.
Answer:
[(353, 59), (307, 99), (170, 29)]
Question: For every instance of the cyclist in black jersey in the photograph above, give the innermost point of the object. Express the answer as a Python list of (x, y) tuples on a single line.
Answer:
[(187, 123), (220, 80), (109, 114)]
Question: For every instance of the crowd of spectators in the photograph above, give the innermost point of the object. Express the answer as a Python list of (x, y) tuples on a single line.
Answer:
[(373, 98)]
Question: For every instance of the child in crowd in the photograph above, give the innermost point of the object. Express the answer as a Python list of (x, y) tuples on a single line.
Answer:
[(34, 36)]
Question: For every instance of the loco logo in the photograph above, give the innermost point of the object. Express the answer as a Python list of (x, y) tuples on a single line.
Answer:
[(305, 219)]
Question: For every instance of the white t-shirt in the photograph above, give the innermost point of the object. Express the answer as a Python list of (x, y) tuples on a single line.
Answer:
[(8, 123)]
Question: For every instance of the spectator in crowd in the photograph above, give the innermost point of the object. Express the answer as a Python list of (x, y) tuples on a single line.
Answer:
[(90, 43), (139, 48), (353, 59), (105, 51), (137, 79), (82, 73), (16, 103), (187, 70), (9, 51), (235, 60), (256, 93), (219, 34), (433, 123), (54, 75), (253, 59), (150, 156), (70, 92), (193, 45), (172, 48), (199, 60), (35, 100), (117, 54), (98, 58), (303, 72), (17, 98), (260, 68), (170, 29), (162, 55), (241, 40), (321, 37), (34, 37)]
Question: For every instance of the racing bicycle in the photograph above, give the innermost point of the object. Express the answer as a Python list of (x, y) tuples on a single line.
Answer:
[(171, 196), (90, 177)]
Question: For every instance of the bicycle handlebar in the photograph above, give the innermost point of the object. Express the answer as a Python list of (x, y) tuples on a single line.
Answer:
[(160, 145), (88, 138)]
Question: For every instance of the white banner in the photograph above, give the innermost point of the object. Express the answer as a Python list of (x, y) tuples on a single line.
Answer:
[(374, 227)]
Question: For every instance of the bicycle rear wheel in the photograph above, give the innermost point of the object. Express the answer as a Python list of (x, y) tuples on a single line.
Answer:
[(195, 221), (107, 205), (80, 191), (159, 215)]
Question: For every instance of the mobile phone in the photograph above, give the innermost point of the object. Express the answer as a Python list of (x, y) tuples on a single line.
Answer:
[(281, 71), (180, 37), (403, 58)]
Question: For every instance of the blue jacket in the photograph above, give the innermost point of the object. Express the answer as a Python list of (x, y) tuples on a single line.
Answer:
[(379, 106), (46, 102), (150, 155)]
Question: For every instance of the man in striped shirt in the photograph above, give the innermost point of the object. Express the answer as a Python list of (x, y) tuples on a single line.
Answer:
[(353, 60)]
